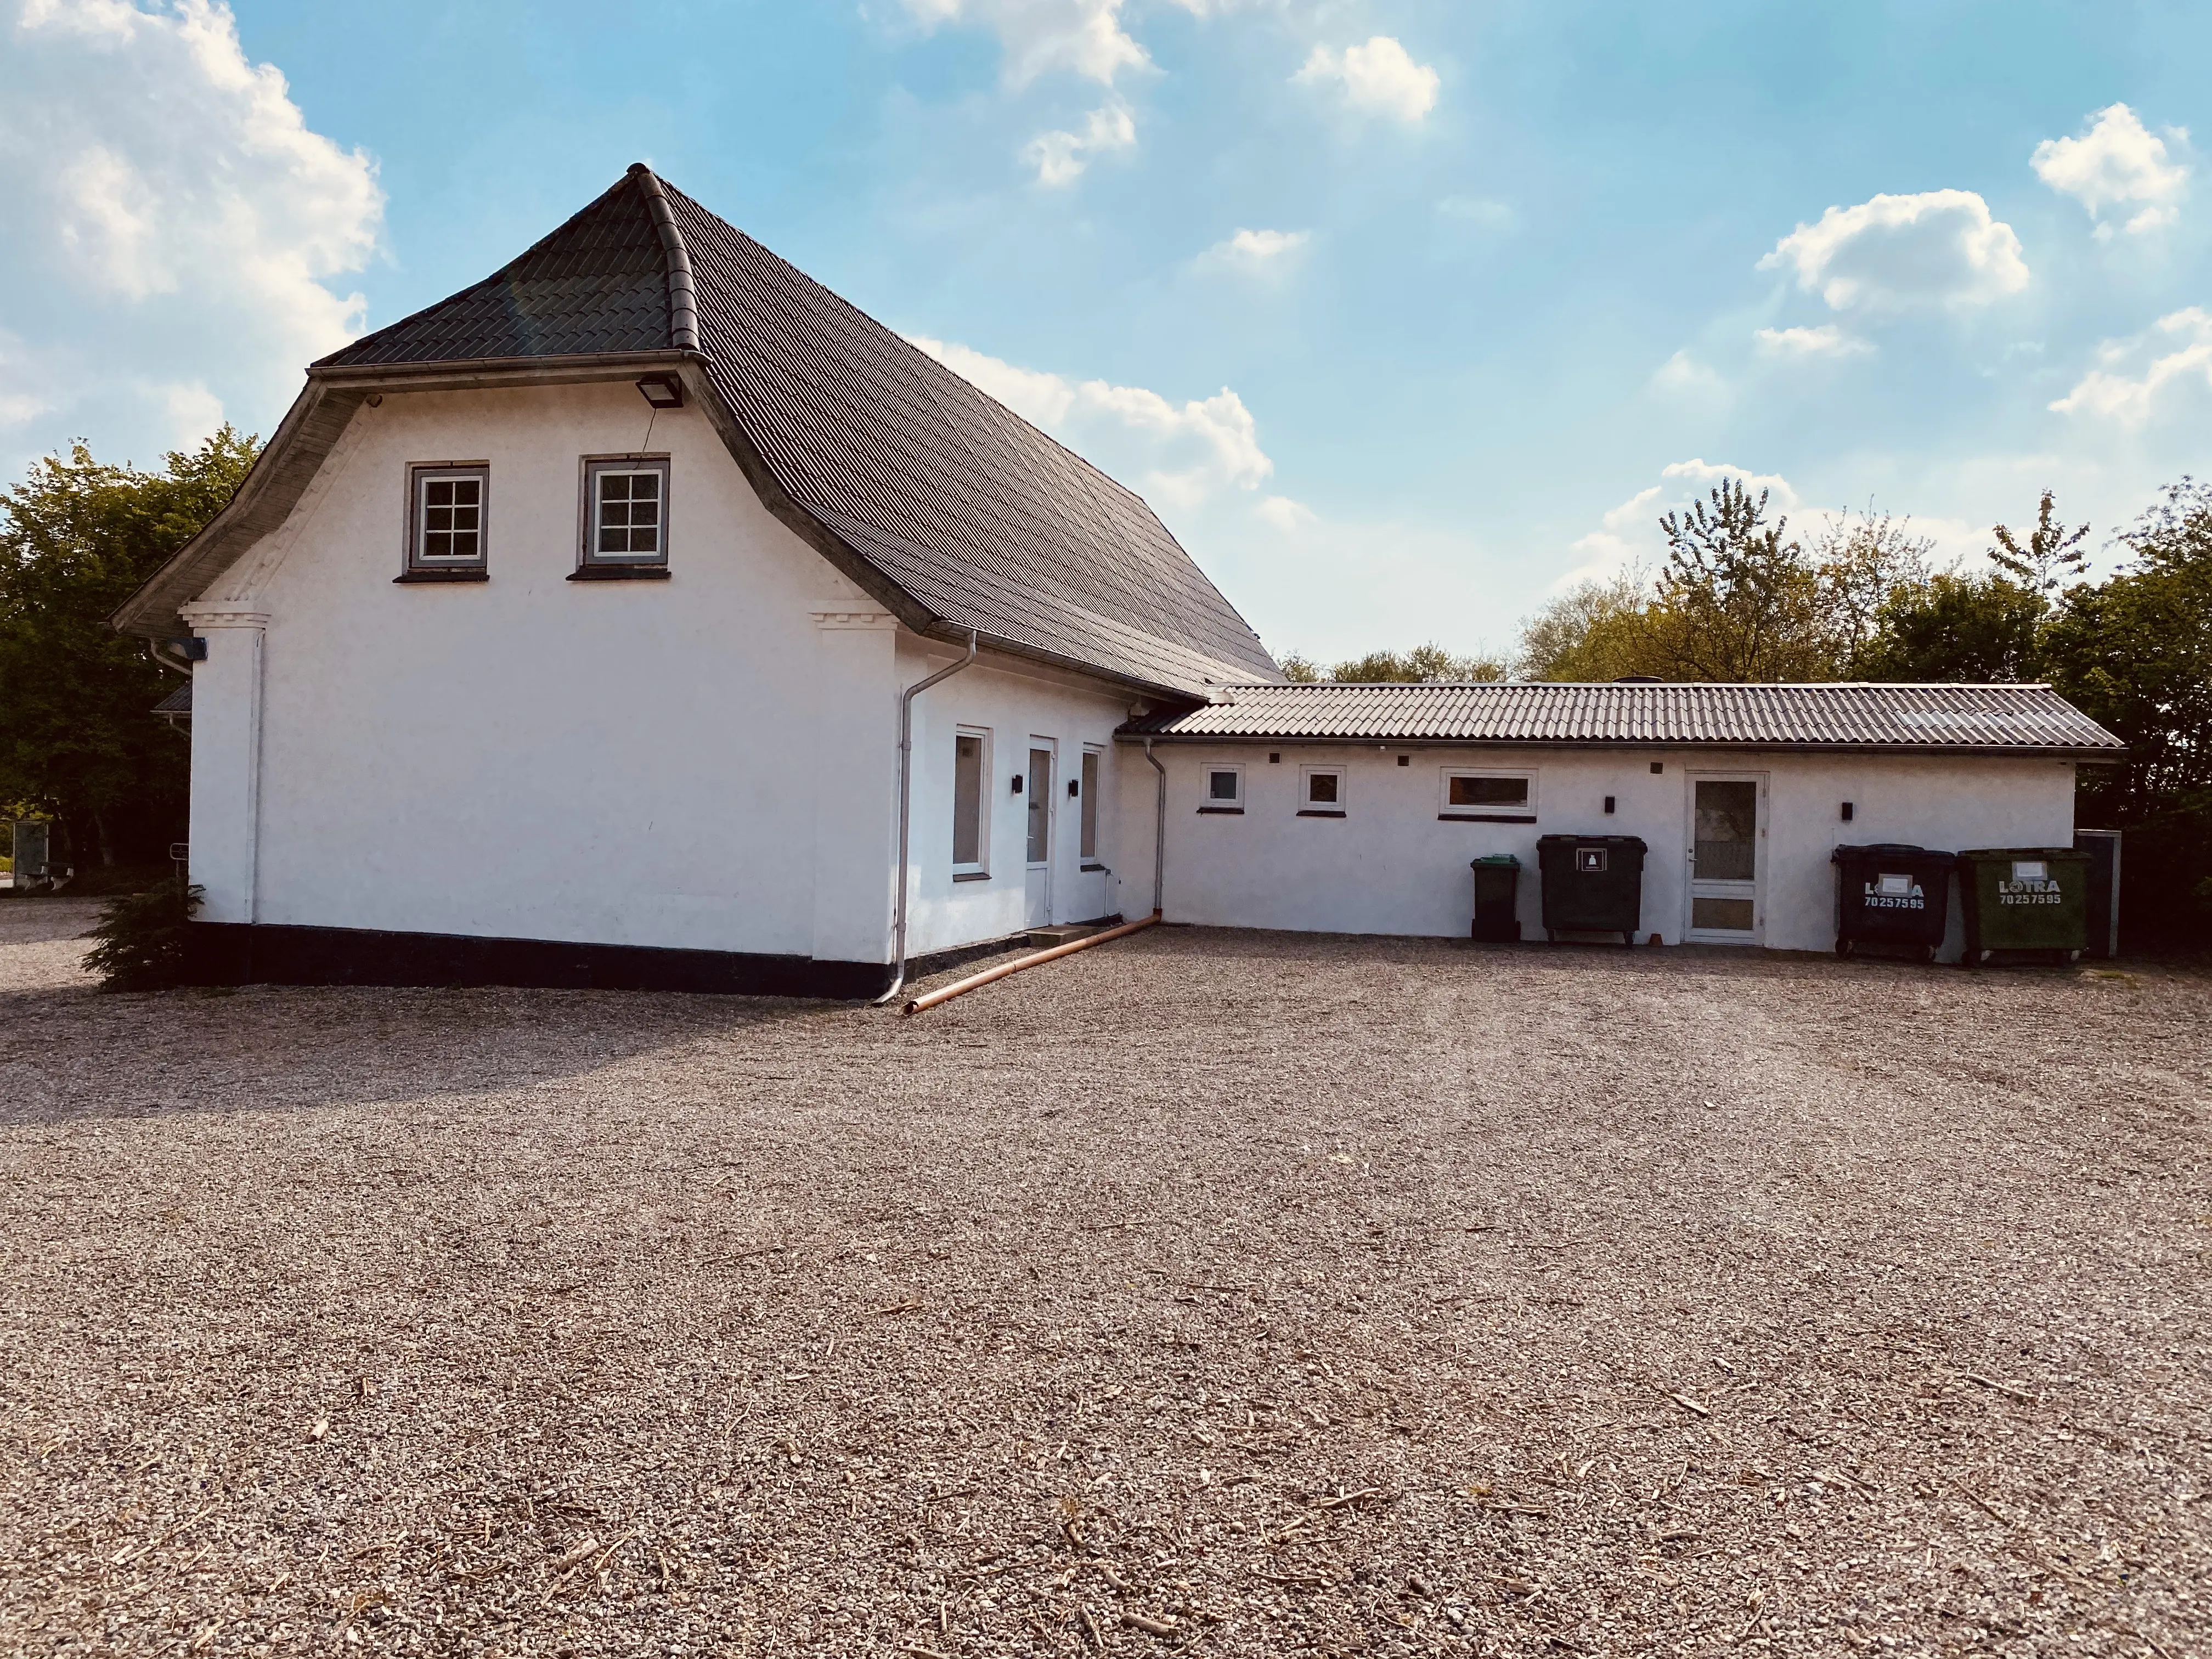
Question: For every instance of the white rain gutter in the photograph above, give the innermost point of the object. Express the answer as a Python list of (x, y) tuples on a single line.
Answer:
[(906, 802), (1159, 832)]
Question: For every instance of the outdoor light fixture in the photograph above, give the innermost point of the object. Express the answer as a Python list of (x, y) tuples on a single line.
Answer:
[(1847, 811), (1017, 783), (1608, 803), (662, 391)]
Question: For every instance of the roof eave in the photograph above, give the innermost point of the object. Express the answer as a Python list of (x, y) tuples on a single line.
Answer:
[(1136, 732)]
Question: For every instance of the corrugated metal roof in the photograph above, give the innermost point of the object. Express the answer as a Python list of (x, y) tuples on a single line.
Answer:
[(179, 702), (979, 518), (2020, 719)]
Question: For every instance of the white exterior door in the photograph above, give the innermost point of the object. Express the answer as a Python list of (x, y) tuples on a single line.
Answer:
[(1728, 857), (1037, 790)]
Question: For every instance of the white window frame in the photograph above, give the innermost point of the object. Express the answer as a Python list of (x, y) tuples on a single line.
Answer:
[(1445, 810), (421, 475), (1208, 803), (598, 468), (1342, 803), (1087, 814), (980, 869)]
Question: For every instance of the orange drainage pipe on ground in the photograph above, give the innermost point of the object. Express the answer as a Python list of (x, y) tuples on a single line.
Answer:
[(975, 981)]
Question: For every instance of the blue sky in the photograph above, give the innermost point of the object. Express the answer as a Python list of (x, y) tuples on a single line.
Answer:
[(1402, 312)]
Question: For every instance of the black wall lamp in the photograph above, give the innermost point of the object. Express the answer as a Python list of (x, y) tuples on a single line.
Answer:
[(1017, 783), (662, 391)]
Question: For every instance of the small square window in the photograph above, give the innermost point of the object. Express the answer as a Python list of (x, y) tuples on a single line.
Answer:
[(625, 514), (1321, 792), (1489, 797), (446, 511), (1224, 789)]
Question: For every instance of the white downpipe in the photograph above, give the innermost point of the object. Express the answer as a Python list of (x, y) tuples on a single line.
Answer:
[(1160, 832), (906, 802)]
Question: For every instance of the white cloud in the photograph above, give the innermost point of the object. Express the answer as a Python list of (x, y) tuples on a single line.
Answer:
[(1287, 516), (1683, 373), (1483, 212), (1060, 157), (2112, 394), (1895, 253), (1379, 78), (2116, 163), (1826, 341), (1082, 37), (1256, 253), (1182, 453), (173, 220), (1629, 534)]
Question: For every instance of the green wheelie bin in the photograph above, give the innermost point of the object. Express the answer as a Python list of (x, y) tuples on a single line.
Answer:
[(2024, 898), (1592, 883)]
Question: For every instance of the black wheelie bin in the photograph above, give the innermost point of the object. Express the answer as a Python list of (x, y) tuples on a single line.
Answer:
[(1497, 890), (1592, 884), (1892, 895), (2024, 898)]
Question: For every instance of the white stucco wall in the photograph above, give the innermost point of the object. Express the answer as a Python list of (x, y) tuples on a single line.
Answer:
[(705, 762), (621, 763), (1391, 867), (1013, 703)]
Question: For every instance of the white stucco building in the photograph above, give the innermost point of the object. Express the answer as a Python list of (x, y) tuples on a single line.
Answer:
[(566, 631)]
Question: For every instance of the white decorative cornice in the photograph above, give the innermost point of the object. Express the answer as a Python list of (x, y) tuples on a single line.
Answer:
[(224, 616), (849, 615)]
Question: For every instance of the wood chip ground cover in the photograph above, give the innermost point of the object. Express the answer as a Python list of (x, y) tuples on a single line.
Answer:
[(1209, 1292)]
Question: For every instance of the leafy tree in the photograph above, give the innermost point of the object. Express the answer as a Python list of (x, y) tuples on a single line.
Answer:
[(78, 537), (1861, 562), (2135, 653), (1980, 629), (1424, 665), (1736, 600), (1595, 630), (2053, 553)]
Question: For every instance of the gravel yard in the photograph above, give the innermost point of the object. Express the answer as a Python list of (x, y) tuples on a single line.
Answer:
[(1224, 1293)]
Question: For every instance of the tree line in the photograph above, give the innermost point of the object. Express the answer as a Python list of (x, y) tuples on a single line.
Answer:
[(1738, 597)]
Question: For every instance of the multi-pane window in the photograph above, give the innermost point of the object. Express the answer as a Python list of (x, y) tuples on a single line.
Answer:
[(446, 518), (626, 514), (970, 765)]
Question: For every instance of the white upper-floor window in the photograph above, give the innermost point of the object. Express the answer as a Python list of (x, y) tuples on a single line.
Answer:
[(447, 530)]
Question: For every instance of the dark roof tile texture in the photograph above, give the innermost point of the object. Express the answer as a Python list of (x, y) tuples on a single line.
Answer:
[(2013, 719), (976, 515)]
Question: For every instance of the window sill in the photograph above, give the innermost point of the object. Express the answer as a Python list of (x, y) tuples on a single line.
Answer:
[(971, 875), (443, 576), (1091, 869), (1320, 812), (620, 573), (1221, 811), (1485, 818)]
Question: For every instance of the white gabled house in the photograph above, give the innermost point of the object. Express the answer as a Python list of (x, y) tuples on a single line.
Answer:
[(564, 634)]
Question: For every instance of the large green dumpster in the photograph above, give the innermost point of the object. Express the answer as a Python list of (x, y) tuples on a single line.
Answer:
[(1497, 893), (1592, 883), (2024, 898)]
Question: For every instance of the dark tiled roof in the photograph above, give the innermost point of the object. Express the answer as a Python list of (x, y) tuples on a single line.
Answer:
[(979, 518), (2015, 718), (179, 702)]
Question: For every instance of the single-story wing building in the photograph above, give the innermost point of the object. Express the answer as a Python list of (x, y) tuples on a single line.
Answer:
[(646, 615)]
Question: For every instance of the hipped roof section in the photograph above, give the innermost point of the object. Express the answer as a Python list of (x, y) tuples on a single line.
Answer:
[(937, 500), (2009, 720)]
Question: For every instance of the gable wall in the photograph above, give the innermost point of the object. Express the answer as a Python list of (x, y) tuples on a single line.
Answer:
[(701, 763)]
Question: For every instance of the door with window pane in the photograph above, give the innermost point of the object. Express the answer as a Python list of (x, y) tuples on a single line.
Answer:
[(1037, 791), (1728, 842)]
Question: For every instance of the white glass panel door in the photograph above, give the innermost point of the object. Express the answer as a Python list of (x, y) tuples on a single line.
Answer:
[(1728, 841), (1037, 789)]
